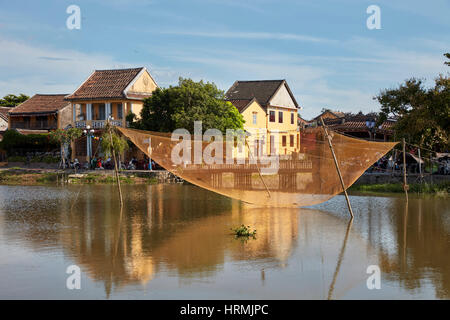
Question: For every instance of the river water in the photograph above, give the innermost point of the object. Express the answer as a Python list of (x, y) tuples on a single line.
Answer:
[(175, 242)]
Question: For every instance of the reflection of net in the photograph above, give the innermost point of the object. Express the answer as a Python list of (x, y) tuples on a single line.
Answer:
[(301, 179)]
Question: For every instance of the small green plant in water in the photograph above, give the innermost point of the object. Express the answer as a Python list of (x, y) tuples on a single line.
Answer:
[(244, 231)]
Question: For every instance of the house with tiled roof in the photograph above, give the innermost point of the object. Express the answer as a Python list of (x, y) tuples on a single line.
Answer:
[(364, 126), (270, 111), (107, 94), (40, 114)]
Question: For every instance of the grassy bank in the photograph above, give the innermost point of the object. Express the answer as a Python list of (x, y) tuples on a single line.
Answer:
[(435, 188), (17, 176)]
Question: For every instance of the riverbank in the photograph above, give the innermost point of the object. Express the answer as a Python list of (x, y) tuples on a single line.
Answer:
[(27, 176), (21, 176), (440, 188)]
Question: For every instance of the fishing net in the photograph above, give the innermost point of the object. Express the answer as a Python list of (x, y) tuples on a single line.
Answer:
[(263, 175)]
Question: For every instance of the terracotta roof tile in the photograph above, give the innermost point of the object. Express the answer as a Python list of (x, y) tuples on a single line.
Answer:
[(105, 84), (4, 113), (240, 104), (40, 103)]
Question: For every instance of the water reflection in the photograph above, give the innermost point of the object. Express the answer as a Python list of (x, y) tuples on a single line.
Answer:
[(169, 232)]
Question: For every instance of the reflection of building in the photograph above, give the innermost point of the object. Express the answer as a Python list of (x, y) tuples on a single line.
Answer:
[(40, 114), (170, 232), (270, 112), (108, 93)]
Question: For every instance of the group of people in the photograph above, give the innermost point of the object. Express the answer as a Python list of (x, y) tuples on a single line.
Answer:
[(133, 164)]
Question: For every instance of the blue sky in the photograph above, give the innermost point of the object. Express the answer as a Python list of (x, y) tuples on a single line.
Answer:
[(322, 48)]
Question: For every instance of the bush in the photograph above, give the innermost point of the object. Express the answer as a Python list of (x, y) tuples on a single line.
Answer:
[(15, 143)]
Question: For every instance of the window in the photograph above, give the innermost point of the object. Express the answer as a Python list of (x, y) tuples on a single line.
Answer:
[(280, 116), (254, 117), (298, 141), (291, 140), (272, 116), (119, 111), (41, 122), (272, 145), (101, 112), (292, 118), (284, 141)]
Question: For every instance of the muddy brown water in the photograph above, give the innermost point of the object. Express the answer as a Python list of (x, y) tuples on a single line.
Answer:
[(175, 242)]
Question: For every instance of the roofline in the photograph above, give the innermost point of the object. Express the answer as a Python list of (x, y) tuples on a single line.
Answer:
[(284, 82), (33, 113), (71, 94), (232, 86), (247, 105), (133, 81), (38, 94)]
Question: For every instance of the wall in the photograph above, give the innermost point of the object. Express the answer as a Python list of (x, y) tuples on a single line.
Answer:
[(283, 99), (65, 116), (283, 129), (144, 83)]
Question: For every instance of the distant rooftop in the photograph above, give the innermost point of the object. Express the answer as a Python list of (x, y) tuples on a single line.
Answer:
[(104, 84), (40, 103)]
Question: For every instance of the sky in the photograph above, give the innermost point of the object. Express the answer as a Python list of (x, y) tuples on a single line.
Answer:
[(324, 49)]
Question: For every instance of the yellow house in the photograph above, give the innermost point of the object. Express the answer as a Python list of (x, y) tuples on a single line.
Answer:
[(270, 112), (107, 93)]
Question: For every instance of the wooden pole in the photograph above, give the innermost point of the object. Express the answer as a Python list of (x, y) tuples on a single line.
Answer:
[(405, 183), (431, 169), (420, 165), (330, 144), (115, 163)]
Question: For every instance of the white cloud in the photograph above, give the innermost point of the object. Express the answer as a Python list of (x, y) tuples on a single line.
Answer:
[(31, 69), (249, 35)]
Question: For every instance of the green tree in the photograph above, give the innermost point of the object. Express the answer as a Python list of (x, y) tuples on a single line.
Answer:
[(179, 106), (119, 143), (12, 100), (423, 114), (447, 55), (64, 137)]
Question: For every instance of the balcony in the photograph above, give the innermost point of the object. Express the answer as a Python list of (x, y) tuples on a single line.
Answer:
[(96, 124)]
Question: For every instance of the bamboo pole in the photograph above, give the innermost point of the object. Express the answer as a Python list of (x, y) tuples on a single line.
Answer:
[(115, 163), (330, 144), (431, 170), (420, 165), (405, 183)]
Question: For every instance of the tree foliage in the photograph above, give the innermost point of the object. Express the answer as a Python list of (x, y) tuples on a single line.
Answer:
[(119, 143), (12, 100), (179, 106), (15, 143), (63, 137), (423, 114)]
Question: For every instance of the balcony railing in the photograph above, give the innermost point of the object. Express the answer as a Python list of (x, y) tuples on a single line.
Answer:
[(96, 124)]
